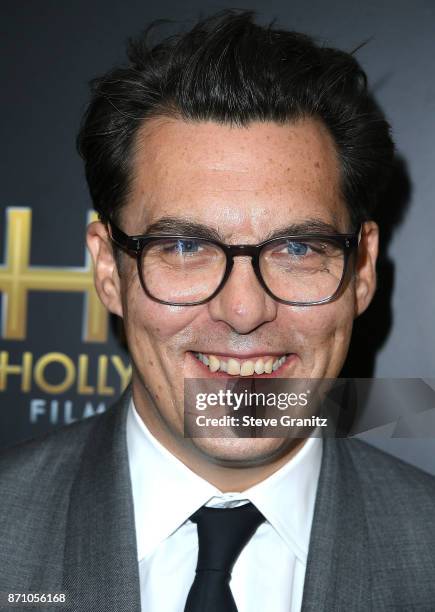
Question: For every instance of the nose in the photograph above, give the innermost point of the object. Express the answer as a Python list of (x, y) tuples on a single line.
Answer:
[(242, 303)]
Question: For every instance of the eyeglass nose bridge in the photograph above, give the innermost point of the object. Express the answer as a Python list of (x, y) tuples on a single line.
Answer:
[(243, 250)]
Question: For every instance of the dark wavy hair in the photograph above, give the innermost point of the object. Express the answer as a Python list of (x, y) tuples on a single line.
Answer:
[(231, 70)]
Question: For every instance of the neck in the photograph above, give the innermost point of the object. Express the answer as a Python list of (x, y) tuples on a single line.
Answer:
[(219, 461)]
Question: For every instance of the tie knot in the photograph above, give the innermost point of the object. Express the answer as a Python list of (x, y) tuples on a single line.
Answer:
[(222, 534)]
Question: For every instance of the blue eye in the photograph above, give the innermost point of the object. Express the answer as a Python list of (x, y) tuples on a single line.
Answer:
[(187, 246), (298, 249)]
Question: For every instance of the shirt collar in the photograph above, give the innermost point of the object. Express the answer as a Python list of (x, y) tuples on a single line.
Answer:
[(166, 492)]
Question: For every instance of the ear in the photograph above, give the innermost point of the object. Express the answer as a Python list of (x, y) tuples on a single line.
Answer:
[(365, 270), (106, 276)]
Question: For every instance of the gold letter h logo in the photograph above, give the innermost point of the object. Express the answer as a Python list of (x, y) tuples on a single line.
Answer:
[(17, 278)]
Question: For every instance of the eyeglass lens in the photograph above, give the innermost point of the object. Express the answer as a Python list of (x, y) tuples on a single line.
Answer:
[(190, 270)]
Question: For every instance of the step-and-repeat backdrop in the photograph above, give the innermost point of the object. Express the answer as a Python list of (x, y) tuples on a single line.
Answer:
[(60, 355), (58, 361)]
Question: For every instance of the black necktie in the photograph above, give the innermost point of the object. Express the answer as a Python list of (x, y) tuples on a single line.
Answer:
[(222, 534)]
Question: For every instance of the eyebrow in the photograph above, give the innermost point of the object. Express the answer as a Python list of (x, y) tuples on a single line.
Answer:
[(181, 226), (308, 226)]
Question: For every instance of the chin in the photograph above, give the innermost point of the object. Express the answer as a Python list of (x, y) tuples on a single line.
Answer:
[(244, 452)]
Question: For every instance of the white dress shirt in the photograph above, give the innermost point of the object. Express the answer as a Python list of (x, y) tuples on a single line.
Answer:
[(270, 571)]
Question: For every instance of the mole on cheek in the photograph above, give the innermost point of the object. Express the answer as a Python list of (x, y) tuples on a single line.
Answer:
[(150, 362)]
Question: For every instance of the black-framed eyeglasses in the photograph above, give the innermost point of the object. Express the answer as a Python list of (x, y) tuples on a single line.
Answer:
[(300, 270)]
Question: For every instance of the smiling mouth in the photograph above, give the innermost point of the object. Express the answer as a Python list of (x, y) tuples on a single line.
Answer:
[(242, 367)]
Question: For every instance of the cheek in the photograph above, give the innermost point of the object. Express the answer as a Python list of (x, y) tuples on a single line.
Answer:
[(326, 322), (147, 321), (326, 326), (166, 322)]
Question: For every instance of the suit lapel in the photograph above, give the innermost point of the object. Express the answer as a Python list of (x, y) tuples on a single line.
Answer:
[(338, 566), (100, 562)]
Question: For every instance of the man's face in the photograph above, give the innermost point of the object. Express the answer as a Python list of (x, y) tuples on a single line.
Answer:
[(244, 183)]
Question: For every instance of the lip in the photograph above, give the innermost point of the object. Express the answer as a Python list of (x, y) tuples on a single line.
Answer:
[(203, 370), (244, 356)]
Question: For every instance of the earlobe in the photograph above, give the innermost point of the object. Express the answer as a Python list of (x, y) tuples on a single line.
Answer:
[(365, 270), (106, 278)]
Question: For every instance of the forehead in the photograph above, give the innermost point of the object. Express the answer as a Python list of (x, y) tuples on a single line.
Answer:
[(242, 181)]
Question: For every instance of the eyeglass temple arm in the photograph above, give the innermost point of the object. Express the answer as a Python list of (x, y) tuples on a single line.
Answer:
[(121, 239)]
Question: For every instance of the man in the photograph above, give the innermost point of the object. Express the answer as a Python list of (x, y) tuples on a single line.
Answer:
[(228, 135)]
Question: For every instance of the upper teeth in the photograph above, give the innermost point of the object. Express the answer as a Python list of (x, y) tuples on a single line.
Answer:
[(235, 367)]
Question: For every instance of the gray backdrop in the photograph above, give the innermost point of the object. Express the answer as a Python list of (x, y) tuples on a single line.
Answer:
[(51, 49)]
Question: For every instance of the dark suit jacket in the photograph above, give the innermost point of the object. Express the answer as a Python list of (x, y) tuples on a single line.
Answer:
[(67, 524)]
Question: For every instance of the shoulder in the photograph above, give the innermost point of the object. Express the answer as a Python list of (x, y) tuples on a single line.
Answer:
[(38, 484), (45, 448), (37, 472), (396, 495), (397, 501), (377, 511), (378, 469)]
